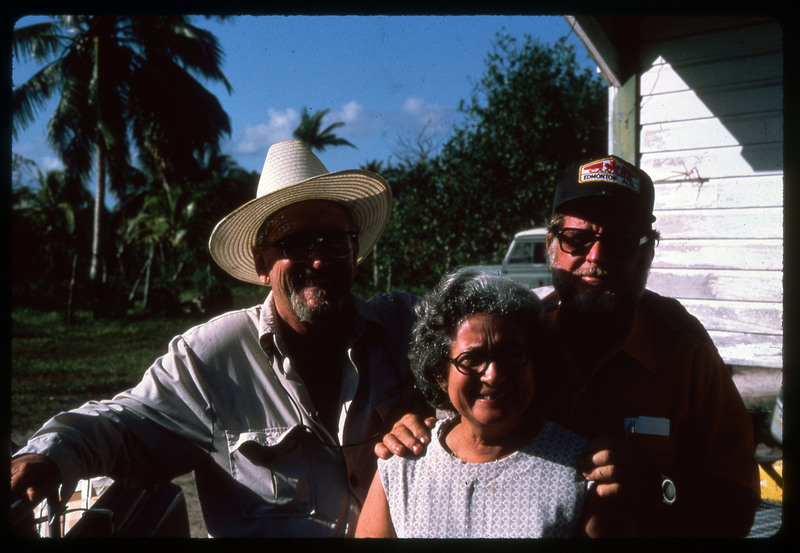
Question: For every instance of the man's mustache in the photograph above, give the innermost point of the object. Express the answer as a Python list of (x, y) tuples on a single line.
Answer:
[(311, 278), (594, 272)]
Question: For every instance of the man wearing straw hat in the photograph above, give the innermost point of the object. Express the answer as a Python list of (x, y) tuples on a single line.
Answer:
[(276, 408)]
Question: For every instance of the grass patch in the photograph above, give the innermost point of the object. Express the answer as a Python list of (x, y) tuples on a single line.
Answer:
[(55, 366)]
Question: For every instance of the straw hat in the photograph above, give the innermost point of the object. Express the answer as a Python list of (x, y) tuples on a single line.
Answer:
[(292, 174)]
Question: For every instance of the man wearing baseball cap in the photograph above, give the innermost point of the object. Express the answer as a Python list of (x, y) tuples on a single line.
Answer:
[(640, 370), (275, 408), (641, 377)]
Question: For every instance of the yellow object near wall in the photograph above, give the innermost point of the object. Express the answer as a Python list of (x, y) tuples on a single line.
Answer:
[(771, 476)]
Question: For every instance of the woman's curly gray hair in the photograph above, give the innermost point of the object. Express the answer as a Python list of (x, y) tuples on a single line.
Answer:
[(459, 295)]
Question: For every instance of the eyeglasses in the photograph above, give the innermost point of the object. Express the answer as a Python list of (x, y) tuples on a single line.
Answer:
[(476, 362), (337, 245), (578, 242)]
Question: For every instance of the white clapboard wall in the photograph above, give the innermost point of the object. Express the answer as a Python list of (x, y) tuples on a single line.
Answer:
[(711, 137)]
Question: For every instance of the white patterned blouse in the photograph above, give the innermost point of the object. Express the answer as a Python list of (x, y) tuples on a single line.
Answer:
[(537, 491)]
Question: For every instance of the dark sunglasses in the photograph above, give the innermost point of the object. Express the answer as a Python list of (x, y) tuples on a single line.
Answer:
[(476, 362), (337, 245), (578, 242)]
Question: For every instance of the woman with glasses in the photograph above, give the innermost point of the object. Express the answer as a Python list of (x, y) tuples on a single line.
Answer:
[(481, 349)]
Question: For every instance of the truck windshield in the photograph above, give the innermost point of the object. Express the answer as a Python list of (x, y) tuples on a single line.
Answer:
[(528, 252)]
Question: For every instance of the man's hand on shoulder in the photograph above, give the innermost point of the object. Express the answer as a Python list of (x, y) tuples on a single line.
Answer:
[(409, 435)]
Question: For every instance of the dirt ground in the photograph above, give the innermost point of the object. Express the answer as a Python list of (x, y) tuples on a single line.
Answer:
[(197, 527)]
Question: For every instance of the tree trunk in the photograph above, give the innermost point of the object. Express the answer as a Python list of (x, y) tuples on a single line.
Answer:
[(149, 264), (375, 267), (136, 282), (71, 288), (99, 204)]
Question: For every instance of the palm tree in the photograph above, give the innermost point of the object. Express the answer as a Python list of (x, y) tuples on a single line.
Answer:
[(126, 84), (309, 131), (162, 224)]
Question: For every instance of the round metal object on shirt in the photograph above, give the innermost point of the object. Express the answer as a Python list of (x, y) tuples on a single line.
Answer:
[(668, 493)]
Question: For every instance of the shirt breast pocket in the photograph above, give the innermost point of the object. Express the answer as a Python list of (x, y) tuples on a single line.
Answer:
[(272, 468)]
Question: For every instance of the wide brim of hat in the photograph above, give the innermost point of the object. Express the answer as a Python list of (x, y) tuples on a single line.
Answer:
[(364, 194)]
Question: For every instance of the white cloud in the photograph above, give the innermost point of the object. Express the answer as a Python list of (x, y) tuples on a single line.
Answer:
[(39, 151), (256, 139), (51, 162), (415, 112), (351, 112), (413, 117), (359, 122)]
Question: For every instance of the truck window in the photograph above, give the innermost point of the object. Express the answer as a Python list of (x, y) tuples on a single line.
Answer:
[(540, 253), (528, 253), (522, 253)]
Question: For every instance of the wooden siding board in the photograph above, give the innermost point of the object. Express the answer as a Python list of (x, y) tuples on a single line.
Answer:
[(753, 191), (746, 129), (723, 284), (710, 103), (756, 350), (663, 78), (734, 161), (710, 254), (737, 316), (756, 222)]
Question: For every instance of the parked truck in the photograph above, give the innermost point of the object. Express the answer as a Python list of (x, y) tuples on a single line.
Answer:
[(526, 259)]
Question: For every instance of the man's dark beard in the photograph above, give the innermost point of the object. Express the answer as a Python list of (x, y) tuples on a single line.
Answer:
[(329, 300), (600, 304)]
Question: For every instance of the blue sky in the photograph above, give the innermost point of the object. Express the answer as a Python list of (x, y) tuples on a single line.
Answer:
[(387, 78)]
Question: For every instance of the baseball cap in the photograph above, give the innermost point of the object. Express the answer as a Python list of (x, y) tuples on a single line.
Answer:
[(619, 186)]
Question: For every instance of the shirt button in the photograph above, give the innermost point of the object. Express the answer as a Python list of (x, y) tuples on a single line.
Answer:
[(353, 481)]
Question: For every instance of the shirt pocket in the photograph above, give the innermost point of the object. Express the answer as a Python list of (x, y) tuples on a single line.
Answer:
[(272, 468)]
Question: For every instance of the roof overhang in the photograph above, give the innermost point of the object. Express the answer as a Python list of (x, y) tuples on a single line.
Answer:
[(612, 42)]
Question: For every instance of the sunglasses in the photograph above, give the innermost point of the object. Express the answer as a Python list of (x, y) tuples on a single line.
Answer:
[(578, 242), (336, 245), (476, 362)]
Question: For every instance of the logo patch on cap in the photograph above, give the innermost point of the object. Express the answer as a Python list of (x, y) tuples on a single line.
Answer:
[(608, 170)]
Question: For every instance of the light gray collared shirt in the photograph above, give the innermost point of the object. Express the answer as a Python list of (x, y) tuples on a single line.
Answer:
[(226, 402)]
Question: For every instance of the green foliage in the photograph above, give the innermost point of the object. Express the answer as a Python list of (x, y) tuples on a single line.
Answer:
[(534, 111), (51, 229)]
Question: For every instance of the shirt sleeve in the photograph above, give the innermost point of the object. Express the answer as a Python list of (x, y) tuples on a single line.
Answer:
[(723, 429)]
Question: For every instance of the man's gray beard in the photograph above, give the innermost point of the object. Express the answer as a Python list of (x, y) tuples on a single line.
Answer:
[(323, 311)]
